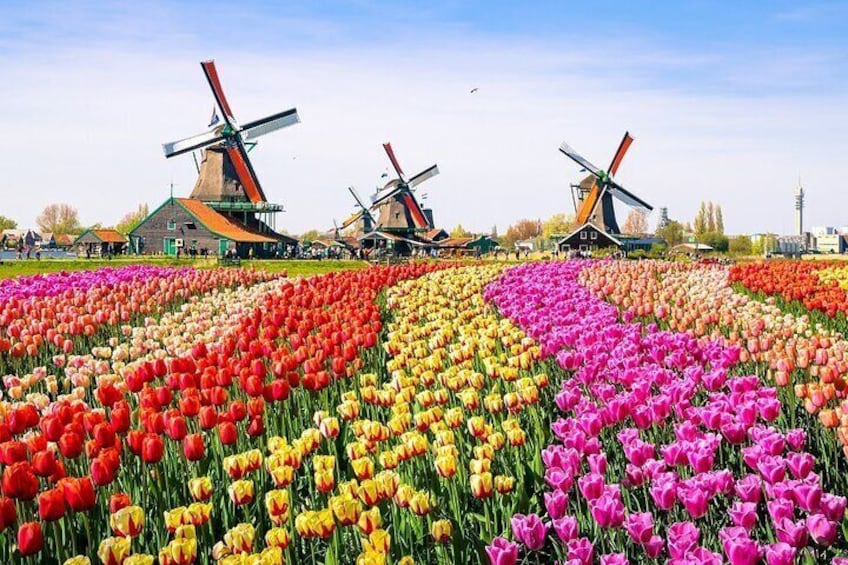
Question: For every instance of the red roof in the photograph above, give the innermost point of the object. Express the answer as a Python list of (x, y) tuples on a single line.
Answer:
[(220, 225), (456, 242), (109, 236)]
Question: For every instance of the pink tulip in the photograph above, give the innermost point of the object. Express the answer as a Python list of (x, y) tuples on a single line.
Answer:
[(580, 550), (640, 526), (614, 559), (779, 509), (556, 503), (591, 486), (792, 533), (833, 507), (772, 469), (739, 548), (502, 552), (822, 530), (807, 496), (682, 537), (744, 514), (566, 528), (664, 493), (530, 530), (800, 464), (607, 511), (780, 554), (654, 546), (796, 439), (694, 500)]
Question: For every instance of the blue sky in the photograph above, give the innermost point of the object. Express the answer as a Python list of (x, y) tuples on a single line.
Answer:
[(727, 100)]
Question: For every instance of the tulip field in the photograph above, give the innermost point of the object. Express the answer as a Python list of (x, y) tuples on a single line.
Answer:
[(573, 412)]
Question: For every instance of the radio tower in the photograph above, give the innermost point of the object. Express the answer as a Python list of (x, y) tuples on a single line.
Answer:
[(799, 209)]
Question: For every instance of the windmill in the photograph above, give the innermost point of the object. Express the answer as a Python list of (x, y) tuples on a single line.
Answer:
[(593, 196), (364, 214), (226, 174), (399, 210)]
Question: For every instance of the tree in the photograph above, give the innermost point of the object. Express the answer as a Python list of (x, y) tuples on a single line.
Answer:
[(7, 223), (557, 225), (719, 220), (636, 223), (59, 218), (460, 231), (310, 236), (711, 223), (521, 230), (716, 240), (741, 245), (494, 234), (132, 219), (672, 233), (701, 219)]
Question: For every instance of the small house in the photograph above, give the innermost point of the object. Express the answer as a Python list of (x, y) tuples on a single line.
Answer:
[(101, 243), (586, 239), (191, 227)]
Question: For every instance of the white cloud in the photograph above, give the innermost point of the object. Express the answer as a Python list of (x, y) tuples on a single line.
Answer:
[(84, 125)]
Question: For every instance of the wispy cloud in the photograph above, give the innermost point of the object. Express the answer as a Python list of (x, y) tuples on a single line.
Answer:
[(89, 115)]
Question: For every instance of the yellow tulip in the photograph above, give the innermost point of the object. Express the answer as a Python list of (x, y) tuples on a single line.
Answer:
[(240, 538), (277, 505), (378, 541), (241, 492), (138, 559), (114, 550), (420, 503), (78, 560), (363, 468), (277, 537), (181, 551), (369, 520), (346, 509), (481, 485), (441, 530), (445, 466), (187, 531), (282, 475), (369, 492), (200, 488), (504, 484), (128, 521), (200, 513), (371, 558)]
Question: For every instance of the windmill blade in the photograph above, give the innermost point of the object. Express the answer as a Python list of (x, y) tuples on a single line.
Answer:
[(388, 147), (351, 220), (590, 202), (628, 197), (262, 126), (385, 195), (424, 175), (357, 198), (569, 152), (215, 84), (192, 143), (245, 172), (619, 154), (418, 217)]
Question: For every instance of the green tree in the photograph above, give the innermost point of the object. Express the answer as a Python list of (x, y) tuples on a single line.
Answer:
[(719, 220), (7, 223), (717, 241), (132, 219), (460, 231), (701, 219), (557, 225), (672, 233), (740, 245), (310, 236), (711, 222), (59, 218)]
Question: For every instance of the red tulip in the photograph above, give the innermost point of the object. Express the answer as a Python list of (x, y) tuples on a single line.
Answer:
[(44, 463), (117, 501), (8, 513), (152, 448), (70, 445), (12, 452), (176, 428), (51, 504), (101, 471), (208, 418), (227, 433), (193, 447), (19, 481), (79, 493), (30, 539)]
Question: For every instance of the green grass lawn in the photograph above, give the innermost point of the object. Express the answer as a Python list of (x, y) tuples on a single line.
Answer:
[(13, 268)]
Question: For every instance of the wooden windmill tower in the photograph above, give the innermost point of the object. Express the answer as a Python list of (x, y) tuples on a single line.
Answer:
[(227, 181), (593, 196), (399, 210), (362, 216)]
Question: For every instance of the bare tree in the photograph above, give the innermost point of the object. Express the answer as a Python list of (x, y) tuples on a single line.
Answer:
[(59, 218), (132, 219), (636, 223)]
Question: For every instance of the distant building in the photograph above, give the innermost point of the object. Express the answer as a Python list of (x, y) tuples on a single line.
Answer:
[(792, 245), (100, 243), (831, 243), (799, 209), (822, 230), (586, 239), (663, 221)]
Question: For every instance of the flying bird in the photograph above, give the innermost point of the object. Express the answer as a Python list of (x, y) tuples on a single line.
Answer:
[(473, 90)]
